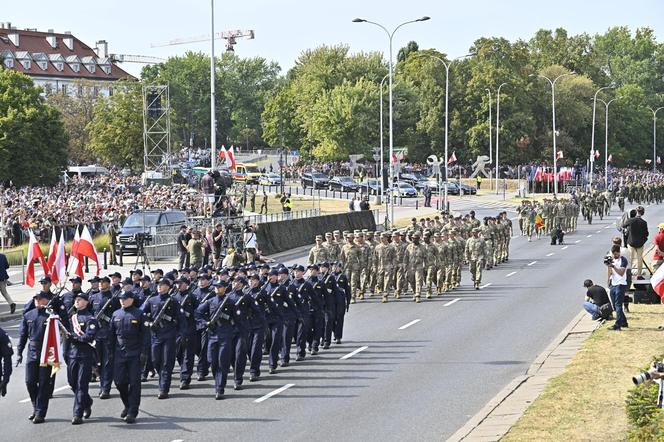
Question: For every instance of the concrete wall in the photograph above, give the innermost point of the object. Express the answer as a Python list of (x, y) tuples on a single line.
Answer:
[(278, 236)]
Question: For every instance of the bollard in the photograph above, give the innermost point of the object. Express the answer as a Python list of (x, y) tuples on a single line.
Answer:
[(325, 193), (121, 256), (417, 204), (87, 270), (105, 261)]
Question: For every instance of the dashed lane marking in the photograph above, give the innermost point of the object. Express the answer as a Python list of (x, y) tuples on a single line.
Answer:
[(532, 263), (452, 302), (65, 387), (564, 248), (510, 274), (413, 322), (353, 353), (550, 254), (577, 241), (589, 236), (485, 285), (273, 392)]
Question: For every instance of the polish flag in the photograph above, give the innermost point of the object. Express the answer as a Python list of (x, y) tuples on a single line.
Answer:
[(59, 266), (452, 158), (52, 251), (559, 155), (86, 248), (230, 158), (648, 161), (610, 158), (659, 160), (74, 261), (222, 152), (657, 282), (34, 252), (51, 351), (597, 154)]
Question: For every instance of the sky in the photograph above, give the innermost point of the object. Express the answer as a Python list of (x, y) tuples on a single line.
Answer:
[(285, 28)]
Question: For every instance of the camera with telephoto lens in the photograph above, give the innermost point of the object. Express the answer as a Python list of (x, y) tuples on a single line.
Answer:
[(608, 259), (647, 375), (142, 239)]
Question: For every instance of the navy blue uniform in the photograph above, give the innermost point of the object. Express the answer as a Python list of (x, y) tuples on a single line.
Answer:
[(317, 312), (127, 330), (287, 308), (186, 340), (301, 291), (343, 301), (257, 329), (104, 340), (141, 297), (83, 328), (37, 379), (275, 322), (164, 335), (203, 367), (6, 352), (330, 296), (246, 309), (220, 337)]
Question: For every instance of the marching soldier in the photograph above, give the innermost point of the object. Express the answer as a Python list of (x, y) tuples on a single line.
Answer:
[(245, 309), (365, 263), (343, 301), (333, 248), (330, 302), (202, 294), (430, 264), (104, 303), (275, 320), (351, 257), (257, 326), (186, 340), (83, 328), (301, 292), (400, 274), (6, 352), (384, 257), (414, 262), (319, 252), (291, 315), (475, 254)]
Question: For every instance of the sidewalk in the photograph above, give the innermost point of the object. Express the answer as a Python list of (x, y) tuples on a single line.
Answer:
[(493, 421)]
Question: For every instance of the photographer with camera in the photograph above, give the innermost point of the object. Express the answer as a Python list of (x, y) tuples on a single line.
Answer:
[(597, 301), (656, 372), (616, 266)]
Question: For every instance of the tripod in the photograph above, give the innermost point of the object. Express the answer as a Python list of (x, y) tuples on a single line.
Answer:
[(141, 256)]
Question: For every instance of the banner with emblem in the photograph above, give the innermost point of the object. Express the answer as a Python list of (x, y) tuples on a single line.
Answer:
[(51, 353)]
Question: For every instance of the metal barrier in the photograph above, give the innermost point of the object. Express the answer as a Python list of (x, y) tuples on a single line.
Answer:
[(161, 251)]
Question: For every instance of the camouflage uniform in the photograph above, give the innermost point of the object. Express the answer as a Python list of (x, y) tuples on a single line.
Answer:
[(415, 261), (400, 280), (318, 253), (351, 258), (443, 261), (475, 254), (430, 265), (487, 233), (333, 249), (384, 256)]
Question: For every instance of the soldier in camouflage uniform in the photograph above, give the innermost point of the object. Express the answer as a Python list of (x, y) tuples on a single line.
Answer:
[(488, 235), (400, 275), (365, 263), (441, 243), (333, 249), (351, 257), (415, 261), (475, 253), (372, 241), (509, 231), (430, 264), (458, 244), (384, 256), (318, 253)]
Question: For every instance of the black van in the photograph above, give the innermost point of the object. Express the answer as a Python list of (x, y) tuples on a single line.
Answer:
[(145, 222)]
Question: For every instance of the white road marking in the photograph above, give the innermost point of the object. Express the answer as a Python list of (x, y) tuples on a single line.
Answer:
[(65, 387), (485, 285), (510, 274), (273, 392), (353, 353), (607, 227), (599, 231), (413, 322), (550, 254), (532, 263), (577, 241), (589, 236), (564, 248), (451, 302)]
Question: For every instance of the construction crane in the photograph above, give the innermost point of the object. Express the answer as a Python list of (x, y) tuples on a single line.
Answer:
[(229, 36), (126, 58)]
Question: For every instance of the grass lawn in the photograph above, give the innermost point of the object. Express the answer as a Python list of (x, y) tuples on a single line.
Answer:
[(587, 401), (14, 253)]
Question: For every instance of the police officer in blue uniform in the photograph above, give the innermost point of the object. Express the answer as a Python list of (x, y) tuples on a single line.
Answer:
[(275, 320), (343, 301), (104, 304), (330, 298), (116, 279), (127, 329), (291, 315), (202, 293), (67, 299), (163, 319), (216, 315), (301, 291), (6, 352), (186, 340), (317, 304), (37, 379), (144, 292), (257, 325), (82, 329)]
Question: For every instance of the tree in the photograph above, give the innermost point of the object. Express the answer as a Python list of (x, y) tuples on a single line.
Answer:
[(33, 141), (116, 131)]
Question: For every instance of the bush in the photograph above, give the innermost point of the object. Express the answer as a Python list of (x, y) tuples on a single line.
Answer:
[(644, 415)]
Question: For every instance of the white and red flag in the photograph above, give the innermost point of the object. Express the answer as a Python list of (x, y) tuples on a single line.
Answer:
[(59, 266), (610, 158), (51, 352), (34, 253), (86, 248), (75, 263), (452, 158)]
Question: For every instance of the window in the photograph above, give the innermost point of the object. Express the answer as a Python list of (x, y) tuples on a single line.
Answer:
[(106, 69), (42, 65), (110, 91), (75, 67), (9, 63), (59, 66), (64, 89), (26, 64), (90, 68)]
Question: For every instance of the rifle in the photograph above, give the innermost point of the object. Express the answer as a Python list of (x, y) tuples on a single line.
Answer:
[(219, 314), (185, 300), (162, 316), (101, 314), (72, 309), (49, 306), (208, 296)]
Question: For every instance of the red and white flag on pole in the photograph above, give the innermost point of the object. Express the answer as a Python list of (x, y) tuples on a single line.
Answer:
[(86, 248), (657, 282), (659, 160), (452, 158), (559, 155), (51, 351), (230, 158), (52, 251), (75, 263), (59, 266), (222, 153), (34, 252), (648, 161), (597, 154), (610, 158)]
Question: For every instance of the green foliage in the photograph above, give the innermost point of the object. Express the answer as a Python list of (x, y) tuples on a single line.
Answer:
[(33, 141), (116, 131)]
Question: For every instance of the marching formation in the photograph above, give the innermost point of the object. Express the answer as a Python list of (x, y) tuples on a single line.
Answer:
[(210, 321)]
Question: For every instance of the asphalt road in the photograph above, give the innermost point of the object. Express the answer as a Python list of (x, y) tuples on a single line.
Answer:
[(405, 371)]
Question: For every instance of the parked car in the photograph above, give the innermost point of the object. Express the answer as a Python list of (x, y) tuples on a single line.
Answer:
[(343, 183), (144, 223), (371, 187), (316, 180), (270, 179), (468, 190), (404, 189), (452, 188)]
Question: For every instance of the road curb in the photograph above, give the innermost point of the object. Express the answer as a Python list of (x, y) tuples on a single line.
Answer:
[(501, 425)]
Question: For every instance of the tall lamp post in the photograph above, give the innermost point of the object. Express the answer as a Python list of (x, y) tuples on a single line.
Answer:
[(654, 136), (606, 139), (490, 122), (382, 152), (592, 136), (498, 130), (447, 94), (390, 36), (553, 122), (213, 115)]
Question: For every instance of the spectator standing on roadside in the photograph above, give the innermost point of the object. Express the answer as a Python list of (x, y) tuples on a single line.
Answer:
[(195, 249), (617, 269), (182, 248), (4, 277), (207, 187), (637, 235), (217, 243), (658, 256)]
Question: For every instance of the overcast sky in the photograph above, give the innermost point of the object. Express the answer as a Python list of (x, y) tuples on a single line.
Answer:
[(284, 28)]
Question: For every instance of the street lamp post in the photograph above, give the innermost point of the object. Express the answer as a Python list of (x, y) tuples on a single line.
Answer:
[(654, 136), (382, 153), (498, 131), (390, 36), (490, 122), (213, 116), (592, 136), (553, 122), (606, 139)]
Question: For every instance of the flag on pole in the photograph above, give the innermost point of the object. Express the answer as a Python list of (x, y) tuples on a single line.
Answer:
[(560, 155), (452, 158), (610, 158), (34, 252), (74, 262), (539, 222), (230, 158), (222, 153), (86, 248), (59, 266), (597, 154), (52, 251), (648, 161), (657, 282), (659, 160), (51, 352)]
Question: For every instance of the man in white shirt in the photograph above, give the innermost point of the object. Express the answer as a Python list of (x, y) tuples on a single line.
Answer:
[(250, 244), (617, 269)]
